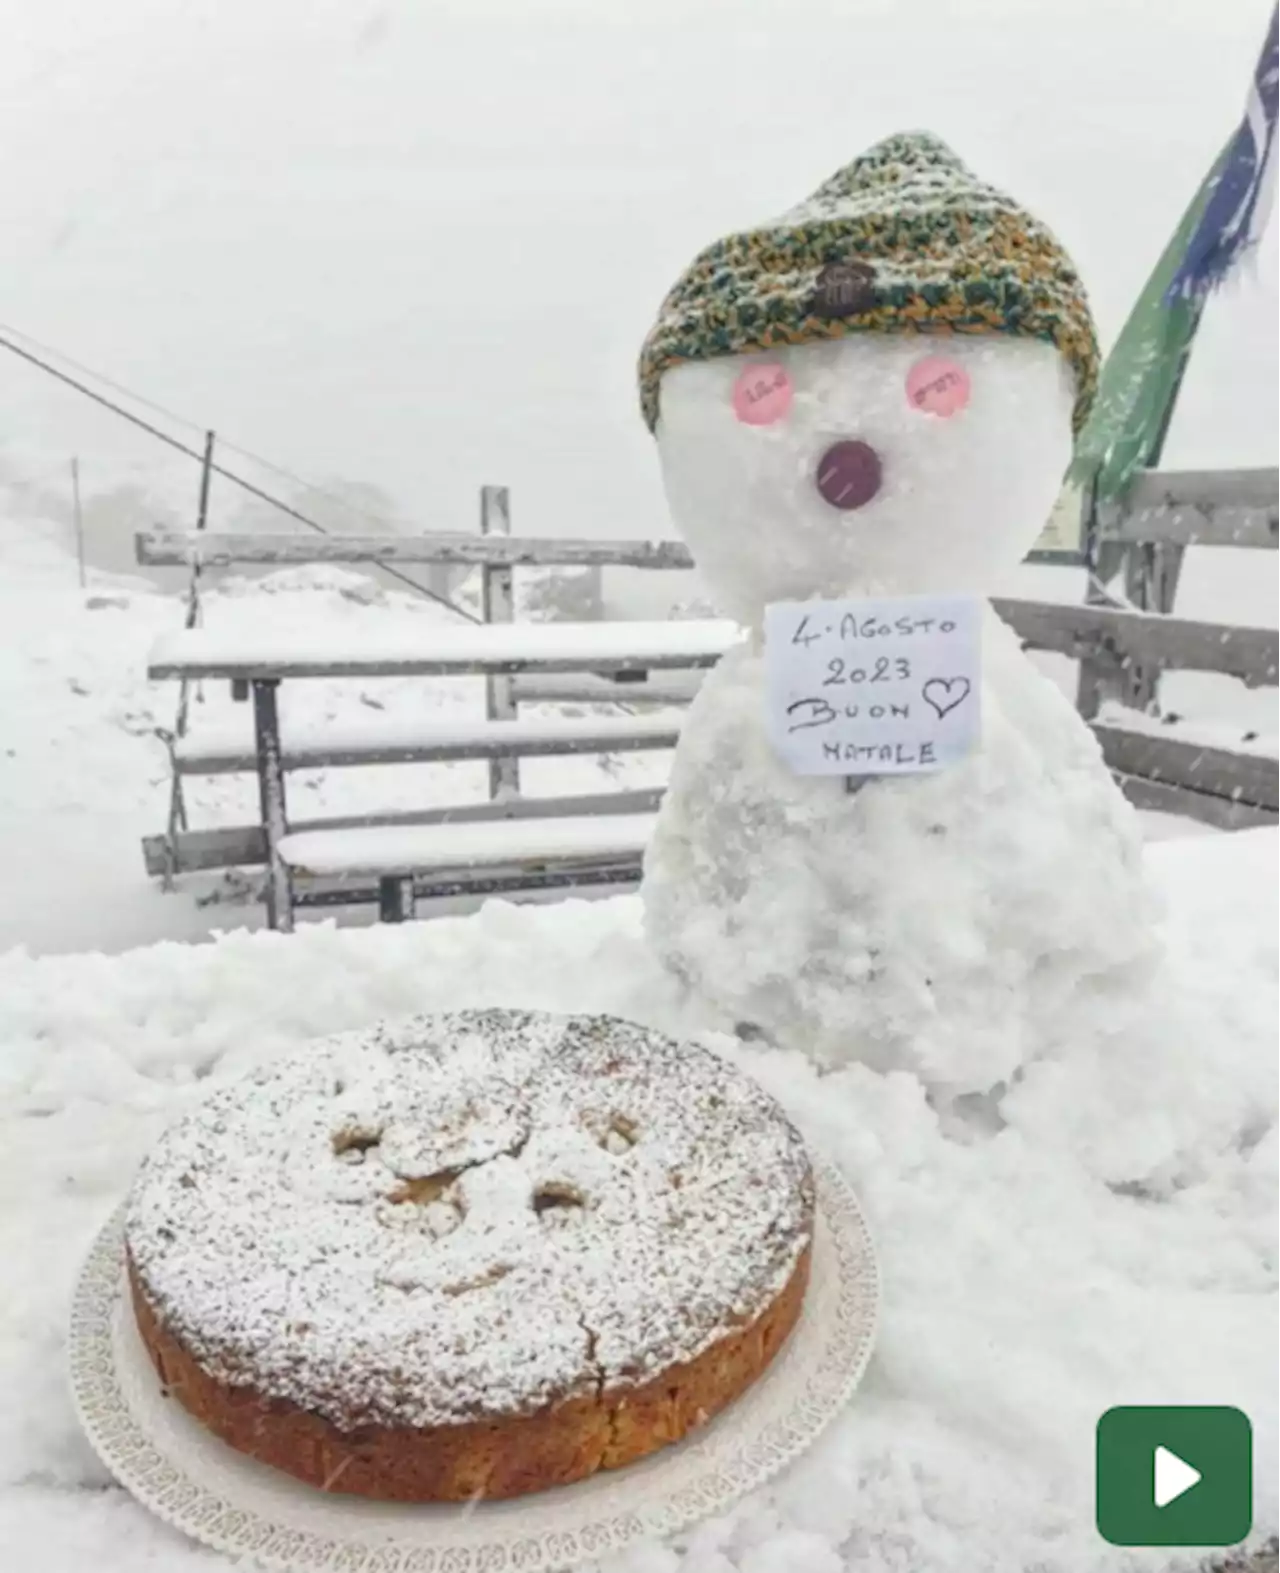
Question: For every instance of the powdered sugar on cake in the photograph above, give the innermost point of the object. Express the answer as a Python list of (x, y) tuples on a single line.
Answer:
[(469, 1215)]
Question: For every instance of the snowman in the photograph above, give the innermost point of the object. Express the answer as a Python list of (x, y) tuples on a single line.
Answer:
[(873, 398)]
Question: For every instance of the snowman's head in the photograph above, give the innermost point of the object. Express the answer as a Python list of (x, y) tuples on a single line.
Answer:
[(876, 392), (874, 463)]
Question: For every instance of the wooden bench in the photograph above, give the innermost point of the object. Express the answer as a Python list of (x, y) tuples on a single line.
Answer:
[(570, 847), (1141, 540), (516, 843), (518, 854), (512, 675)]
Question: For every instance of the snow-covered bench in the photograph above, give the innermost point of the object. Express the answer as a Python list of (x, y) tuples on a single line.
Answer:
[(465, 848), (492, 855), (595, 841)]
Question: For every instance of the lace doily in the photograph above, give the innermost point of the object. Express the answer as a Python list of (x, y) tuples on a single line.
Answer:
[(196, 1483)]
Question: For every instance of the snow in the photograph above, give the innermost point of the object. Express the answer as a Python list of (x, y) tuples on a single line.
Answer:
[(1113, 1241), (391, 850), (954, 510), (1025, 1294), (437, 651), (961, 924)]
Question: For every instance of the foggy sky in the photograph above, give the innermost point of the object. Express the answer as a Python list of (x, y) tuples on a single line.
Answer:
[(418, 245)]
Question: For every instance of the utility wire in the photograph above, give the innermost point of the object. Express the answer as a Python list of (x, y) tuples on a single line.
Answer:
[(179, 420), (217, 469)]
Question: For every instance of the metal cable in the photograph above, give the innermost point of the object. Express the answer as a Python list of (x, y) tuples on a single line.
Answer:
[(217, 469)]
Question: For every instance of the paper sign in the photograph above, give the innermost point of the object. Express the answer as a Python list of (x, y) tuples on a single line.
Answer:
[(885, 686)]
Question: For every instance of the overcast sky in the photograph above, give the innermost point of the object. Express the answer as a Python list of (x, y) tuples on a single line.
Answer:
[(418, 242)]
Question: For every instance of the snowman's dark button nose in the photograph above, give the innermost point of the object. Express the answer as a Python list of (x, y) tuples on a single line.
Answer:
[(848, 474)]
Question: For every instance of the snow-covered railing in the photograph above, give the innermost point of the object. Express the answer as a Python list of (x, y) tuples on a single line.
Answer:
[(441, 651), (1140, 542), (179, 548), (1196, 508), (1177, 772), (1120, 640)]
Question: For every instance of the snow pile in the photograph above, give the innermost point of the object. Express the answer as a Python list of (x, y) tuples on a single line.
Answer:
[(960, 924), (1024, 1293)]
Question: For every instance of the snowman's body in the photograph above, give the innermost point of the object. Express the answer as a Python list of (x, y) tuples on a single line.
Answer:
[(954, 923)]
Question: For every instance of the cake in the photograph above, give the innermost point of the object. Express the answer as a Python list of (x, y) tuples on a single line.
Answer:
[(470, 1255)]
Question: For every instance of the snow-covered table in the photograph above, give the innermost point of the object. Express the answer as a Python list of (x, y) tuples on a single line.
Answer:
[(1112, 1241)]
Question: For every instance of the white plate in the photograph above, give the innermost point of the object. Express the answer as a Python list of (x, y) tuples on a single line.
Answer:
[(193, 1481)]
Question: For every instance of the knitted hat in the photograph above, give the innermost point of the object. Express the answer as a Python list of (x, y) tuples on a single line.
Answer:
[(904, 239)]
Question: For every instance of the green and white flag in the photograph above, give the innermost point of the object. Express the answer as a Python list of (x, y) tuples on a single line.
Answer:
[(1139, 383), (1140, 377)]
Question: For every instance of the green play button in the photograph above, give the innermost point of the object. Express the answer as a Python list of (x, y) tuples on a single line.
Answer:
[(1174, 1476)]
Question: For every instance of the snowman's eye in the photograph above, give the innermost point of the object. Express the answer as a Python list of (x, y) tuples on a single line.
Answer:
[(762, 394), (938, 386)]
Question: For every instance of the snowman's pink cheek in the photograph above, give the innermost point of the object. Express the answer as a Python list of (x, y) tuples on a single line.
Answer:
[(938, 386), (762, 394)]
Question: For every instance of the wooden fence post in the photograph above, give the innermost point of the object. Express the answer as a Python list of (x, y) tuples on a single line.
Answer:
[(1098, 679), (177, 798), (1151, 570), (79, 517), (1151, 573), (1101, 678), (497, 605), (271, 802)]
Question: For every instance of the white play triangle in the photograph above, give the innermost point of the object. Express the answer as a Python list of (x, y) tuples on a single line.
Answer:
[(1173, 1476)]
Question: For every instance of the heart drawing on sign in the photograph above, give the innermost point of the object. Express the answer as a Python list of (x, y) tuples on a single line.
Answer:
[(945, 693)]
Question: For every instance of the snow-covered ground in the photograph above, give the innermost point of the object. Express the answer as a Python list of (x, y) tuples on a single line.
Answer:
[(419, 245), (1113, 1243)]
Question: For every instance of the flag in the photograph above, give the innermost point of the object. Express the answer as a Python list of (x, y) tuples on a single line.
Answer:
[(1239, 205), (1140, 378)]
